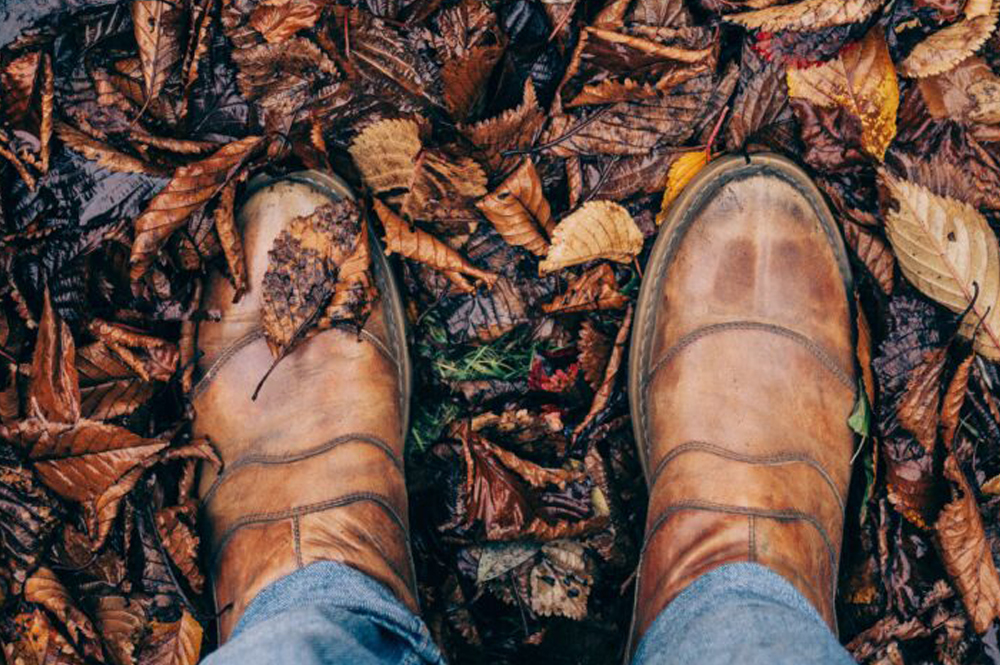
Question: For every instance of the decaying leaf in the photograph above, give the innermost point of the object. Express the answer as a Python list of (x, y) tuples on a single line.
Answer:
[(966, 552), (181, 543), (175, 643), (104, 154), (303, 269), (954, 398), (277, 20), (44, 588), (603, 394), (682, 171), (873, 252), (862, 81), (947, 250), (595, 348), (946, 48), (230, 239), (519, 211), (37, 642), (191, 188), (416, 244), (121, 623), (595, 289), (561, 580), (598, 230), (512, 130), (918, 411), (54, 388), (969, 93), (807, 15), (158, 31)]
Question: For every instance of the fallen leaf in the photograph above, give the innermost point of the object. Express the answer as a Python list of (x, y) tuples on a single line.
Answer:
[(231, 240), (873, 252), (918, 410), (464, 79), (158, 25), (598, 230), (175, 643), (949, 46), (181, 544), (121, 623), (595, 349), (603, 394), (862, 81), (954, 398), (561, 581), (682, 171), (947, 250), (966, 553), (37, 642), (968, 93), (44, 588), (277, 20), (54, 389), (513, 130), (807, 15), (413, 243), (595, 289), (191, 188), (518, 210), (104, 154)]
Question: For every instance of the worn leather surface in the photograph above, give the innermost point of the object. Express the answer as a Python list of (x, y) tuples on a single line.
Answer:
[(313, 469), (746, 373)]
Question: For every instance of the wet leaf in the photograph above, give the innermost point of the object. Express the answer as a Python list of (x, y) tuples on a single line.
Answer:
[(158, 27), (862, 81), (44, 588), (595, 349), (191, 188), (303, 269), (175, 643), (121, 624), (519, 211), (37, 642), (598, 230), (512, 130), (953, 400), (181, 543), (54, 389), (873, 252), (104, 154), (277, 20), (918, 410), (595, 289), (231, 240), (947, 250), (966, 553)]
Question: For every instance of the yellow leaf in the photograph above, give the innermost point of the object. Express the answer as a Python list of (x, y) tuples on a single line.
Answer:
[(948, 47), (947, 250), (598, 230), (862, 81), (682, 171), (808, 14)]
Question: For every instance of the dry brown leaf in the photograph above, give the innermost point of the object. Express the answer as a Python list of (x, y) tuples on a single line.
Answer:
[(303, 272), (230, 239), (278, 20), (464, 79), (519, 210), (561, 581), (121, 624), (598, 230), (104, 154), (946, 48), (191, 188), (152, 358), (44, 588), (807, 15), (595, 289), (873, 252), (918, 410), (610, 375), (158, 28), (947, 250), (595, 348), (438, 181), (181, 543), (17, 81), (862, 81), (176, 643), (54, 390), (416, 244), (682, 171), (513, 130), (954, 398), (355, 290), (966, 553), (864, 351)]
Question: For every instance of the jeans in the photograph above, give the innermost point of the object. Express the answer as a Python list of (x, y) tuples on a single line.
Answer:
[(329, 613)]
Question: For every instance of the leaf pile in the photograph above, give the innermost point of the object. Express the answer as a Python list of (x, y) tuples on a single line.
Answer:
[(516, 157)]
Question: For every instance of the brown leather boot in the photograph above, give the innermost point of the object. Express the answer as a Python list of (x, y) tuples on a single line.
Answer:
[(313, 469), (742, 379)]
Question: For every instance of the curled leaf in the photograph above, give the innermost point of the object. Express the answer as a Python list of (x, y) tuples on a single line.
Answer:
[(519, 211), (158, 25), (277, 20), (918, 410), (682, 171), (946, 48), (807, 15), (175, 643), (598, 230), (595, 289)]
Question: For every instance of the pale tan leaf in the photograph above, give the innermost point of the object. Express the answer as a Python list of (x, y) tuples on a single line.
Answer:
[(191, 188), (158, 26), (560, 582), (947, 250), (946, 48), (595, 289), (598, 230), (862, 81), (416, 244), (176, 643), (682, 171), (808, 15), (104, 154), (966, 553), (519, 211), (968, 93), (386, 154)]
